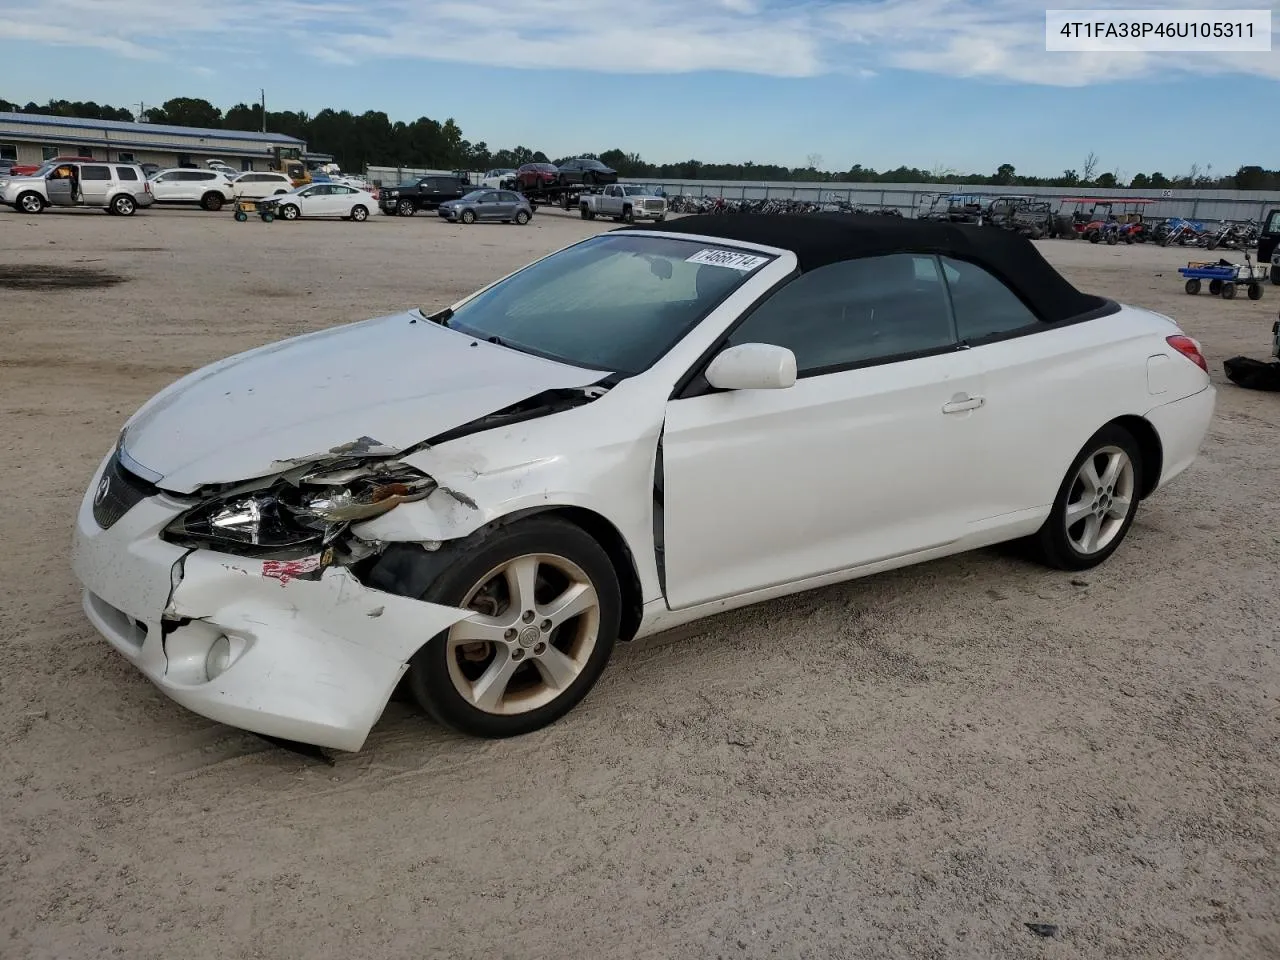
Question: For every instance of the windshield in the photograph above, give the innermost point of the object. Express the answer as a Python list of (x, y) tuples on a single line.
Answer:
[(634, 191), (614, 302)]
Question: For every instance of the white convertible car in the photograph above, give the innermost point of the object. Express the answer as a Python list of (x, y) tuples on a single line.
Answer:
[(647, 427)]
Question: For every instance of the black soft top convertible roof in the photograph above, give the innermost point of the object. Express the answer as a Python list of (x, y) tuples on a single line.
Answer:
[(823, 238)]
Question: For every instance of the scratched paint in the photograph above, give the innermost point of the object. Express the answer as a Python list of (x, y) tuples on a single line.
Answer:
[(286, 570)]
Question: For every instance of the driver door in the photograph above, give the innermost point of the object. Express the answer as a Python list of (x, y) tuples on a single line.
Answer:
[(59, 190), (316, 201), (867, 457)]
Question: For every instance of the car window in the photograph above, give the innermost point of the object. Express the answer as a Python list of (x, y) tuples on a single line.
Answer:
[(855, 312), (509, 198), (88, 172), (126, 173), (1273, 222), (613, 302), (984, 306)]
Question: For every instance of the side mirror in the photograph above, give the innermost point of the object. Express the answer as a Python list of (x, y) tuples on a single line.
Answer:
[(753, 366)]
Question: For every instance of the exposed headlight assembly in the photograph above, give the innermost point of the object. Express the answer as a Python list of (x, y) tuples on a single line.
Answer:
[(298, 515)]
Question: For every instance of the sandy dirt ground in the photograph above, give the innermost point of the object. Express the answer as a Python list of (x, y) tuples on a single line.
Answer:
[(913, 765)]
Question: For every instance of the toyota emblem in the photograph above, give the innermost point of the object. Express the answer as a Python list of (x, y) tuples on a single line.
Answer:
[(101, 493)]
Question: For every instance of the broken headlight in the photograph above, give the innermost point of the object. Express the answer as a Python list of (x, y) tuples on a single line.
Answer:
[(298, 515)]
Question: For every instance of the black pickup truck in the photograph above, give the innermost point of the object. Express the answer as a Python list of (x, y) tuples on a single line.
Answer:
[(425, 193)]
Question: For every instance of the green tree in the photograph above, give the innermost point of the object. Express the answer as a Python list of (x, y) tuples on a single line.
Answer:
[(186, 112)]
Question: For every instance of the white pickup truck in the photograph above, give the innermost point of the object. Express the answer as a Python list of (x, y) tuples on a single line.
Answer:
[(623, 201)]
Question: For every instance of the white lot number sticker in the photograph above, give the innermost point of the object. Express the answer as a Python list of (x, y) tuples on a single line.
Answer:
[(727, 258)]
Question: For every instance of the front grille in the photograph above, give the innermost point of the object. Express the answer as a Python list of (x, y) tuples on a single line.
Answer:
[(118, 492), (653, 204)]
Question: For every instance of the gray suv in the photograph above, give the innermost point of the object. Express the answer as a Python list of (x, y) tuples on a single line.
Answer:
[(119, 188)]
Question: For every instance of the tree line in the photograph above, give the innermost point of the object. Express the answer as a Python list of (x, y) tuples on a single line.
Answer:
[(372, 138)]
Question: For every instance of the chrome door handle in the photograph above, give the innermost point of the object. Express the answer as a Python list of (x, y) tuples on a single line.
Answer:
[(962, 402)]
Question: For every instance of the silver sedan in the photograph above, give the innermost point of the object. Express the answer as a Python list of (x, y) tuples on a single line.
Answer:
[(505, 205)]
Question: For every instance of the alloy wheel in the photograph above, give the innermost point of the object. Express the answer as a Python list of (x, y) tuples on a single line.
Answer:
[(1101, 498), (538, 622)]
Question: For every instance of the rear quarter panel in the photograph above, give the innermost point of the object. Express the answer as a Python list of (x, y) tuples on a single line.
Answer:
[(1049, 392)]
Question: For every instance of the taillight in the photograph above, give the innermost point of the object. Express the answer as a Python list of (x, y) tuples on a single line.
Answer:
[(1189, 349)]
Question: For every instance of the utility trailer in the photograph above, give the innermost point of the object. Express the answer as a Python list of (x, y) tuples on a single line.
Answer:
[(549, 195)]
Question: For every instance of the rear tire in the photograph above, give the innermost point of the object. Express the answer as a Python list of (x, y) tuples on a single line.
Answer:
[(212, 202), (1255, 291), (124, 205), (1193, 286), (439, 673), (359, 213), (1102, 502)]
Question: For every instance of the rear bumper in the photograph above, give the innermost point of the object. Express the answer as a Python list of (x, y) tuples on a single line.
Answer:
[(1182, 426)]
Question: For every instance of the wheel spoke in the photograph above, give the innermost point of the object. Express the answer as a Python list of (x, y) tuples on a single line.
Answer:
[(1089, 474), (1115, 463), (477, 629), (1092, 529), (577, 599), (1078, 511), (558, 669), (1119, 507), (522, 577), (487, 692)]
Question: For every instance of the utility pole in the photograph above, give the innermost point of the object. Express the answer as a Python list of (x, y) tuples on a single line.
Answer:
[(142, 113), (264, 109)]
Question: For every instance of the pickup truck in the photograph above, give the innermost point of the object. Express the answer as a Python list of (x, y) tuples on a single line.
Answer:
[(623, 201), (425, 193)]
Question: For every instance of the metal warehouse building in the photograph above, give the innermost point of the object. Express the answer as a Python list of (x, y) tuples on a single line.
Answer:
[(33, 138)]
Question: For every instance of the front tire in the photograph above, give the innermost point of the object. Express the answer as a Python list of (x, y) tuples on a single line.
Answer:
[(468, 217), (289, 212), (32, 202), (550, 608), (1095, 505), (522, 217), (405, 208)]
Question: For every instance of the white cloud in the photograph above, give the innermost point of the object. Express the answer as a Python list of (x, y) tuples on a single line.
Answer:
[(997, 40)]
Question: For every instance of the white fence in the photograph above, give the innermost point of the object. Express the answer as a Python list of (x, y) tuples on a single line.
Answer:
[(913, 198)]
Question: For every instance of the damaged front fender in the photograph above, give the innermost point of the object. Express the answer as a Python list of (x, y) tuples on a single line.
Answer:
[(311, 654)]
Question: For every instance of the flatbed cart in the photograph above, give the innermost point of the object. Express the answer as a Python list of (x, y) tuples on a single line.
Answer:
[(1224, 277), (245, 207)]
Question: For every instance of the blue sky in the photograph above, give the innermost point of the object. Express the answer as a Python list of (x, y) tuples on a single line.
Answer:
[(941, 84)]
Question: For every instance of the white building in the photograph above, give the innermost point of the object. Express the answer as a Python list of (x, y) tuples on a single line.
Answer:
[(33, 138)]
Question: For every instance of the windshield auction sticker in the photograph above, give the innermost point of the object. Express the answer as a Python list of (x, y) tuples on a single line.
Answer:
[(1145, 31), (727, 258)]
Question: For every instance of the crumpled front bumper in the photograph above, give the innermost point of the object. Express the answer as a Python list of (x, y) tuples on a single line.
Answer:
[(315, 655)]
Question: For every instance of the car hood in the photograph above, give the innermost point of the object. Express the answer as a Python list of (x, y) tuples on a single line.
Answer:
[(391, 382)]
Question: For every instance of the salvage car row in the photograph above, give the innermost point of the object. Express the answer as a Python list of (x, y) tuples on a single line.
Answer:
[(123, 188)]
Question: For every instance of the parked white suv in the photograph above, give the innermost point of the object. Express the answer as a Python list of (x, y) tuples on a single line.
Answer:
[(255, 186), (119, 188), (209, 188)]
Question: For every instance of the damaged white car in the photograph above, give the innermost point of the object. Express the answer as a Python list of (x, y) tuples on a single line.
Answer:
[(642, 429)]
